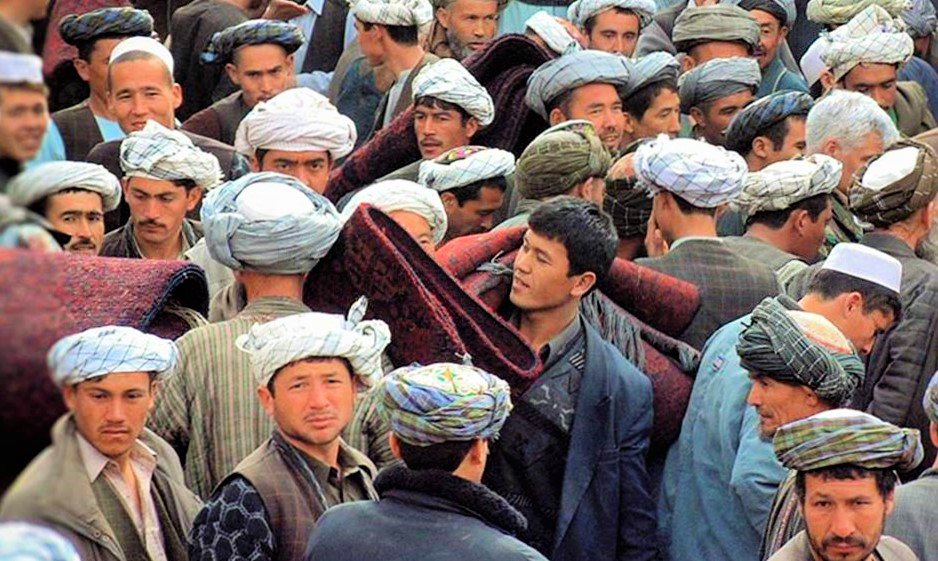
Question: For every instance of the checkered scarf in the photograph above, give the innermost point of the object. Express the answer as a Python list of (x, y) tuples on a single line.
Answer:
[(159, 153), (783, 184), (444, 402), (407, 13), (872, 36), (846, 437), (762, 114), (629, 205), (897, 201), (20, 541), (582, 10), (650, 69), (109, 350), (464, 166), (280, 342), (223, 45), (716, 79), (570, 71), (50, 178), (105, 22), (930, 401), (721, 22), (559, 159), (839, 12), (449, 81), (920, 19), (557, 38)]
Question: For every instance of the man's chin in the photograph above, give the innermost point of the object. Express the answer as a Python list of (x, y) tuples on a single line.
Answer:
[(83, 250)]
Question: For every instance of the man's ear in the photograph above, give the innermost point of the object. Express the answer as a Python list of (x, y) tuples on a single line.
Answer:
[(232, 72), (255, 163), (629, 122), (828, 81), (556, 116), (449, 200), (472, 127), (177, 95), (687, 63), (583, 283), (698, 116), (68, 395), (193, 196), (760, 147), (395, 445), (443, 16), (82, 68), (267, 400)]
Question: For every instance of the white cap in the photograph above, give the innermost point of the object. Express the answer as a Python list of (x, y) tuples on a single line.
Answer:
[(271, 200), (889, 168), (811, 64), (17, 67), (865, 263), (147, 45)]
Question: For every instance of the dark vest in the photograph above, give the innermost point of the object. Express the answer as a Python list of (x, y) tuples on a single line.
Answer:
[(328, 40), (79, 130), (231, 111)]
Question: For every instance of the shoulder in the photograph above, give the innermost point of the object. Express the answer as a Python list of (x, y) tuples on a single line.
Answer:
[(619, 372), (913, 92), (892, 549), (104, 151), (791, 81), (112, 246), (25, 496)]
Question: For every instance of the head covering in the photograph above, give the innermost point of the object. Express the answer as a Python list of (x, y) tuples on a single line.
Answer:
[(402, 195), (464, 166), (110, 350), (847, 437), (407, 13), (629, 203), (865, 263), (582, 10), (570, 71), (269, 222), (800, 348), (756, 118), (704, 175), (23, 229), (559, 159), (144, 45), (716, 79), (930, 400), (16, 68), (21, 541), (920, 19), (223, 45), (49, 178), (277, 343), (159, 153), (449, 81), (839, 12), (557, 38), (105, 22), (783, 184), (650, 69), (783, 10), (444, 402), (897, 183), (296, 120), (720, 22), (872, 36)]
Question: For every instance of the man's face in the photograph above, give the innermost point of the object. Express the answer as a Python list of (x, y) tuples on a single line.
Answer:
[(469, 24), (779, 403), (663, 116), (793, 145), (24, 117), (877, 81), (812, 234), (844, 518), (158, 208), (771, 35), (862, 328), (439, 130), (854, 157), (706, 52), (111, 411), (94, 70), (600, 105), (615, 31), (369, 42), (541, 278), (261, 71), (417, 226), (141, 91), (79, 214), (311, 168), (715, 120), (473, 216)]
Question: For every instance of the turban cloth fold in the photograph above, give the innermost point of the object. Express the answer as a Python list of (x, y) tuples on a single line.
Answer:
[(281, 227), (111, 349), (650, 69), (406, 13), (721, 22), (716, 79), (106, 22), (920, 19), (783, 184), (464, 166), (223, 45), (17, 67), (582, 10), (930, 401), (704, 175), (871, 37), (275, 344), (839, 12), (21, 541), (570, 71), (783, 10), (846, 437), (757, 117), (894, 185), (401, 195), (50, 178), (557, 38), (449, 81), (296, 120), (559, 159), (168, 155), (800, 348), (444, 402)]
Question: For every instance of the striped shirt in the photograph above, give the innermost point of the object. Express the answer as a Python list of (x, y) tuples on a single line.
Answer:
[(209, 411)]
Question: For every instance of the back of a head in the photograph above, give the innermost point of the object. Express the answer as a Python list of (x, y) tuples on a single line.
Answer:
[(852, 267), (586, 232), (848, 118)]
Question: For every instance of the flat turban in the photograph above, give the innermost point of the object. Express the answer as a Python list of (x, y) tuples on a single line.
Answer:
[(716, 79), (401, 195), (559, 159), (920, 19), (628, 202), (930, 401), (872, 36), (168, 155), (449, 81), (223, 45), (842, 437), (16, 68), (757, 117), (278, 343), (570, 71), (464, 166), (112, 349), (839, 12), (557, 38), (650, 69), (783, 10), (144, 45), (783, 184), (50, 178), (582, 10), (105, 22), (702, 174), (269, 222), (894, 185), (444, 402), (721, 22), (800, 348), (296, 120), (406, 13), (21, 541)]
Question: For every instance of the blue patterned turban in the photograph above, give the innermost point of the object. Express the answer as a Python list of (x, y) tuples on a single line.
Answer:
[(570, 71), (762, 114), (223, 45), (464, 166), (449, 81), (920, 19), (716, 79), (167, 155), (109, 350), (20, 541), (105, 22)]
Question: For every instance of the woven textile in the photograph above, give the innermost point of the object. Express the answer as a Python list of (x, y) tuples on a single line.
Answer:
[(159, 153), (629, 204), (720, 22), (582, 10), (559, 159), (407, 13), (872, 36), (783, 10), (716, 79), (783, 184), (110, 350), (50, 178), (884, 204), (839, 12), (760, 115), (930, 401), (920, 19), (449, 81), (223, 45), (20, 541), (570, 71), (650, 69), (557, 38), (396, 195), (105, 22), (464, 166)]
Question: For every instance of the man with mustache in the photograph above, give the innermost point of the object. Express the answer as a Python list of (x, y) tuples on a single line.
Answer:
[(462, 27), (612, 26), (73, 197), (650, 101), (24, 112)]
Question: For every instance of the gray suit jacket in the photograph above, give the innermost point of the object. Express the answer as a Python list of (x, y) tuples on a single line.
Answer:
[(915, 519)]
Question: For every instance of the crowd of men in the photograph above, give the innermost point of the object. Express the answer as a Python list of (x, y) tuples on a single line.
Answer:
[(778, 159)]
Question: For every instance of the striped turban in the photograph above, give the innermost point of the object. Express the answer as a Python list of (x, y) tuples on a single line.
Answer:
[(559, 159), (839, 12), (405, 13), (786, 183), (757, 117), (581, 11), (167, 155), (570, 71), (891, 187), (107, 350), (51, 178), (396, 195), (716, 79), (221, 48), (871, 37), (105, 22), (464, 166)]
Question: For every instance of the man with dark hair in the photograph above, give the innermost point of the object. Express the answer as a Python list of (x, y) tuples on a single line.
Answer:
[(713, 93), (775, 19), (612, 26), (435, 505), (587, 409), (771, 129), (24, 112), (650, 101)]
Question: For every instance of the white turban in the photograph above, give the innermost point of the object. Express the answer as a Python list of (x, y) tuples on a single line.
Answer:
[(280, 342), (557, 38), (783, 184), (16, 68), (168, 155), (296, 120), (702, 174), (582, 10), (402, 195), (447, 80), (146, 45), (464, 166), (50, 178), (109, 350), (872, 36), (406, 13), (269, 222)]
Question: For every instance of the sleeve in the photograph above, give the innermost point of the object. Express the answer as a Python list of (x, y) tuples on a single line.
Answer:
[(756, 472), (52, 148), (170, 417), (232, 526)]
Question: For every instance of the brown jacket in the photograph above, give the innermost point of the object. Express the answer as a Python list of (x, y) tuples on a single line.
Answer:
[(407, 93)]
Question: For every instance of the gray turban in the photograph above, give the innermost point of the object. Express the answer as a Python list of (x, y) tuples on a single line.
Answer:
[(557, 38), (872, 36), (168, 155), (722, 22), (582, 10), (570, 71), (449, 81), (50, 178), (920, 19), (650, 69), (716, 79), (783, 10)]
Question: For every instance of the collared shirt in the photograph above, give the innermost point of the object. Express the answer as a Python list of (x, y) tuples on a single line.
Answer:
[(557, 348), (690, 238), (394, 95), (185, 246), (138, 502), (344, 484)]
